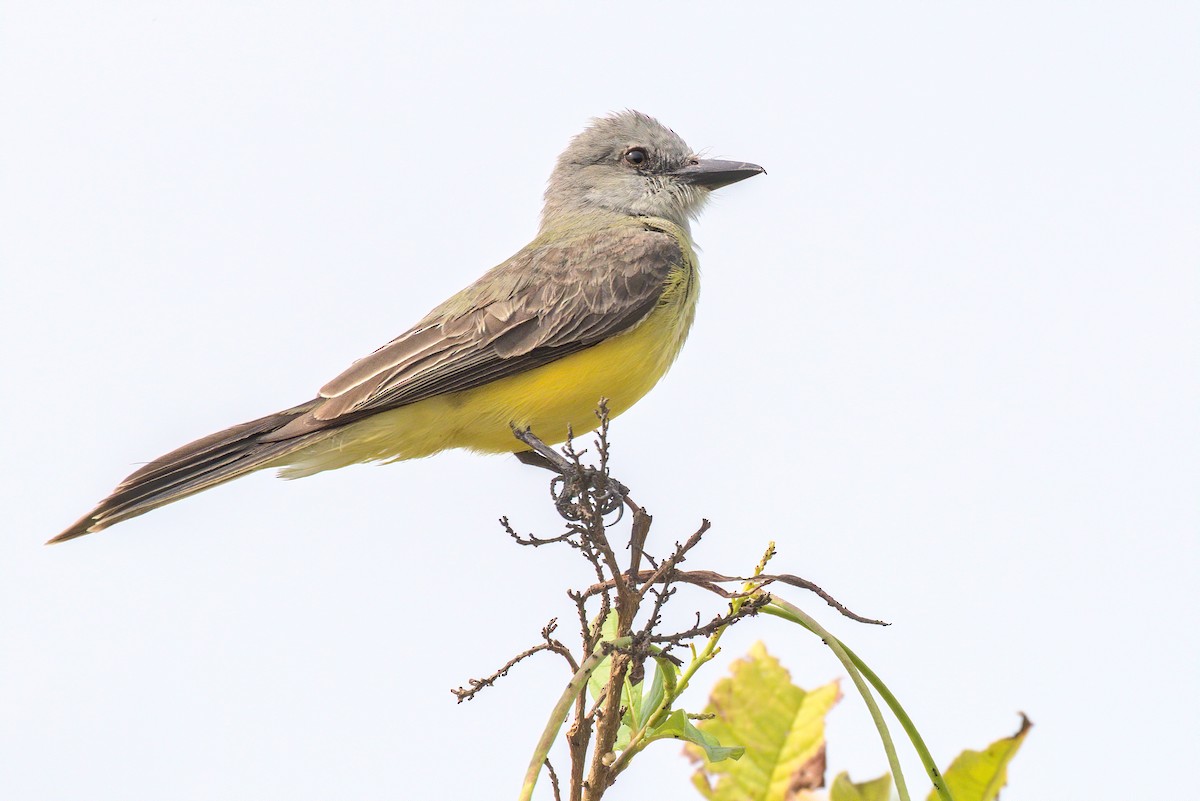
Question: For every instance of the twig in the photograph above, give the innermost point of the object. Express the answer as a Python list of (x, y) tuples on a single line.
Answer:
[(553, 779), (530, 539), (557, 647), (711, 581), (675, 558), (637, 539), (748, 609), (463, 694)]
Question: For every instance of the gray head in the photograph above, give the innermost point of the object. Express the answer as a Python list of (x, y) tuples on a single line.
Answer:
[(630, 164)]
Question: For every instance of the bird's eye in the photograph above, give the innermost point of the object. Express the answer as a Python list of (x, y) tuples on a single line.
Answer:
[(636, 156)]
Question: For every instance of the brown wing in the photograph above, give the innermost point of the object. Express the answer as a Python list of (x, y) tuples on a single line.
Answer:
[(549, 300)]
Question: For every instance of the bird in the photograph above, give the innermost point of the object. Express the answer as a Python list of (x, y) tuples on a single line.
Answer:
[(598, 305)]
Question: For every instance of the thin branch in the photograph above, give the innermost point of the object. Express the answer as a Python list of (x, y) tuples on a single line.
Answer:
[(675, 558), (637, 539), (711, 581), (477, 685), (554, 646), (530, 539), (748, 609), (553, 779)]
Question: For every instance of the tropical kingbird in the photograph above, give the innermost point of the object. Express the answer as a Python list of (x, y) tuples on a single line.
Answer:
[(597, 305)]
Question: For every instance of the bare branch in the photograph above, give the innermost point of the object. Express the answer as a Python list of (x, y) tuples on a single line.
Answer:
[(554, 646), (532, 540), (553, 780), (711, 581), (675, 558), (637, 540), (463, 694), (748, 609)]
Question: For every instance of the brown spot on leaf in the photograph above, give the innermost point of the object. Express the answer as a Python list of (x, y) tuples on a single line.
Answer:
[(808, 776)]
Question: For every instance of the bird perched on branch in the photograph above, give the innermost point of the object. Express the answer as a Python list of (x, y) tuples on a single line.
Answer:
[(596, 306)]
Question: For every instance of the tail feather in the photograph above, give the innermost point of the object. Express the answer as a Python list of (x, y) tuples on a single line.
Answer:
[(195, 467)]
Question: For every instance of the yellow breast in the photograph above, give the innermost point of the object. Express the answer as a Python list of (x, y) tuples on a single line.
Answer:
[(563, 395)]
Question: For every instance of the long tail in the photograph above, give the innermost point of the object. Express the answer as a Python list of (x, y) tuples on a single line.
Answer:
[(195, 467)]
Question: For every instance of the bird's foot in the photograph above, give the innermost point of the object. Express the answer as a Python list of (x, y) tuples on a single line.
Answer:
[(574, 480)]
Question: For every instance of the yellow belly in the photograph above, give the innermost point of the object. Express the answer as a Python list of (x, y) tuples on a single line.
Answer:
[(550, 399)]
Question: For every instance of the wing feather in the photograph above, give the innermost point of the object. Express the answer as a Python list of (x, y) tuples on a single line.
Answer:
[(552, 299)]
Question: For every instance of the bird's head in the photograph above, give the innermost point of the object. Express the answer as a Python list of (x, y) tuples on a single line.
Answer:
[(629, 163)]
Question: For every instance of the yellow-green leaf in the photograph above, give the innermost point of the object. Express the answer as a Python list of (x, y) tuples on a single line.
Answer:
[(843, 789), (979, 775), (781, 726)]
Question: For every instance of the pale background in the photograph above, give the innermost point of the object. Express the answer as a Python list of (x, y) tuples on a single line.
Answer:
[(946, 356)]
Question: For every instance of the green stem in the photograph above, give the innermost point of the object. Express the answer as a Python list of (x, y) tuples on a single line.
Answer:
[(781, 608), (575, 686), (906, 723)]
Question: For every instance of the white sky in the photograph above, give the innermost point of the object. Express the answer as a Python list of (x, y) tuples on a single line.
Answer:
[(946, 356)]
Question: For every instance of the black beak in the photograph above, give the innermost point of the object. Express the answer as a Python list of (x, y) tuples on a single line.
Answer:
[(713, 174)]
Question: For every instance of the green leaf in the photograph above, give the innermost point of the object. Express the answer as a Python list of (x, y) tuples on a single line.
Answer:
[(657, 686), (781, 726), (679, 727), (623, 734), (599, 678), (632, 700), (979, 775), (639, 702), (874, 790)]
